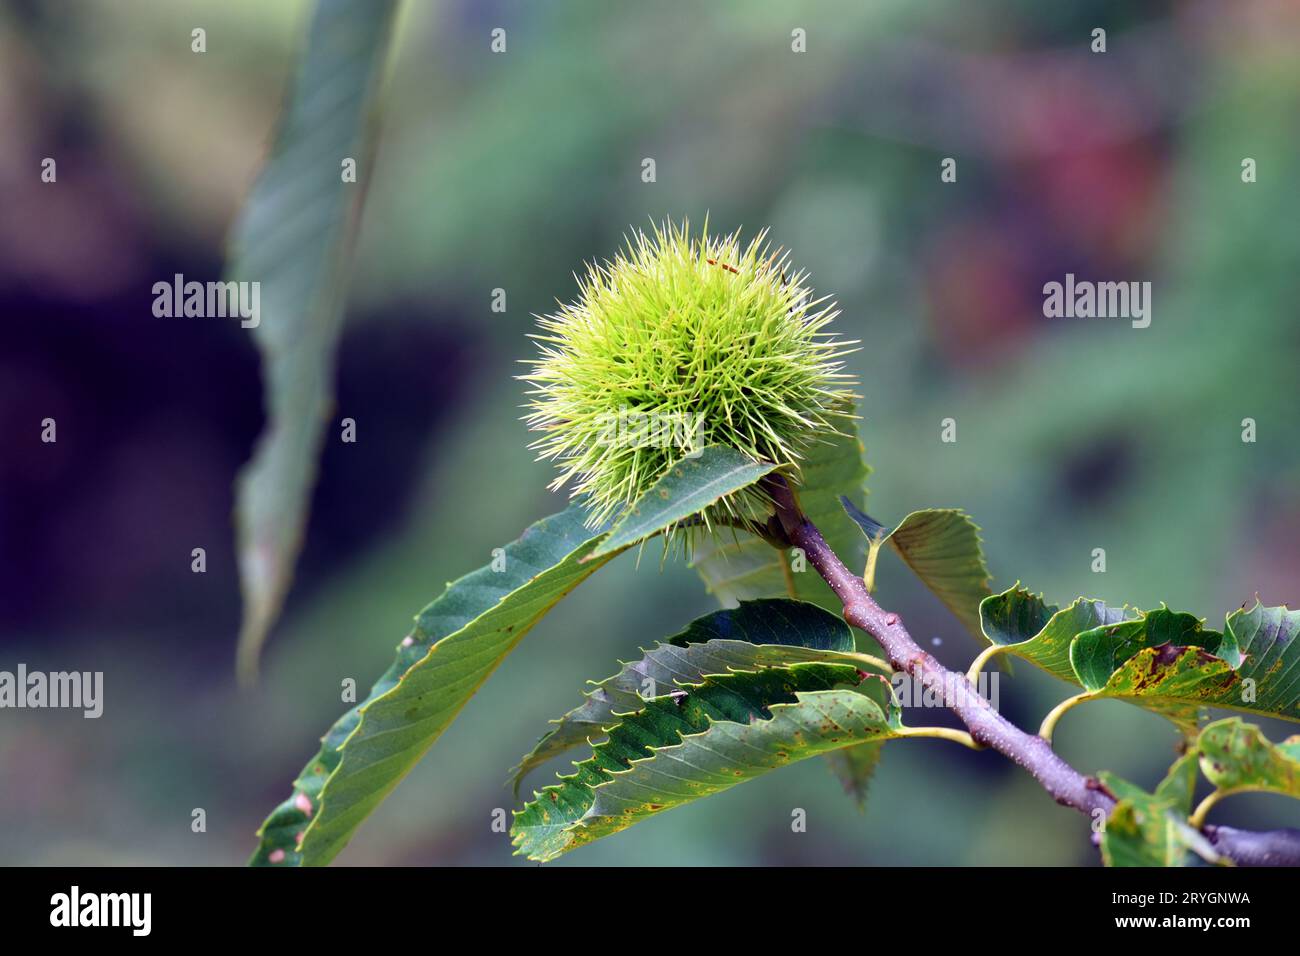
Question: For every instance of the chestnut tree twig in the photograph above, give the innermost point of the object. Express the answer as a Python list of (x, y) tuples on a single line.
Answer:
[(987, 727)]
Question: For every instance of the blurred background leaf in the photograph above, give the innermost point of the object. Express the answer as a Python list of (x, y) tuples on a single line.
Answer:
[(294, 238)]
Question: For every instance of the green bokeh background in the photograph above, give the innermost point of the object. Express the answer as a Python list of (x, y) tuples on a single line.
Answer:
[(508, 171)]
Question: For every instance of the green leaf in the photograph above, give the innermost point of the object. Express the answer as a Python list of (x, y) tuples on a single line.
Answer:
[(685, 489), (755, 635), (1096, 654), (1146, 829), (1041, 633), (1163, 660), (942, 547), (1267, 642), (1171, 680), (1141, 831), (721, 732), (294, 237), (854, 767), (1179, 785), (741, 566), (1254, 666), (457, 642), (1236, 756)]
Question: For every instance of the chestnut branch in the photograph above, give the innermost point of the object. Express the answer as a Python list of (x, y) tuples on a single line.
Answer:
[(986, 726)]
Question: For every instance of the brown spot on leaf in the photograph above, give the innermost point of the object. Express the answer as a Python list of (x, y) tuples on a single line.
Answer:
[(1166, 654)]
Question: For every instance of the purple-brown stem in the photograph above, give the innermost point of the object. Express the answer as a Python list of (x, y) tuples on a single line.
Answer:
[(1066, 785)]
